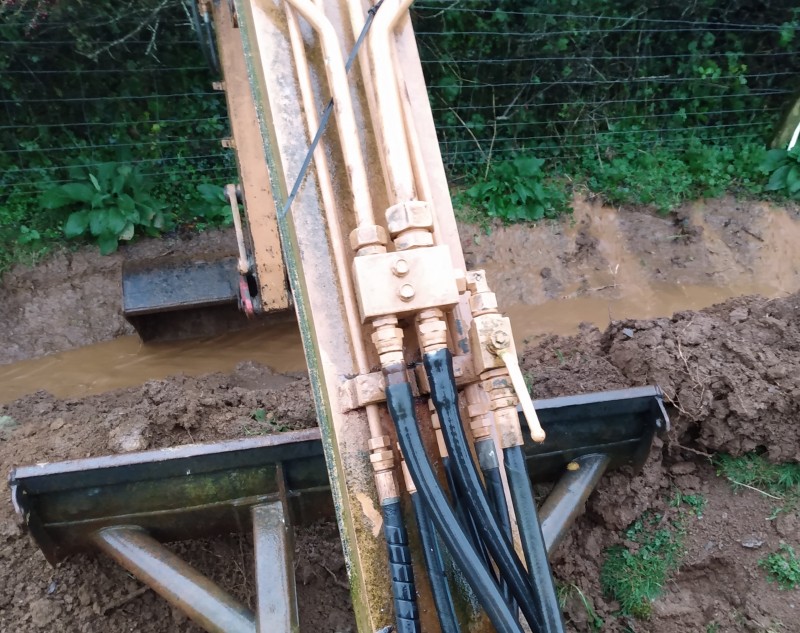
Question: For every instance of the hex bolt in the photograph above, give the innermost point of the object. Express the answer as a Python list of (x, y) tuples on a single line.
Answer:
[(500, 339), (406, 292), (400, 267)]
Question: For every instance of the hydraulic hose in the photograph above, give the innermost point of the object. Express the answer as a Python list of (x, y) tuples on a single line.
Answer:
[(530, 533), (490, 467), (439, 368), (442, 598), (403, 589), (464, 518), (400, 402)]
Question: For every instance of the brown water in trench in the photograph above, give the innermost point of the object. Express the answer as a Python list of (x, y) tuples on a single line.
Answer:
[(622, 287)]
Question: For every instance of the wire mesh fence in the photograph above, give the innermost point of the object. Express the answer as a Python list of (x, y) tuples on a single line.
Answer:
[(577, 87)]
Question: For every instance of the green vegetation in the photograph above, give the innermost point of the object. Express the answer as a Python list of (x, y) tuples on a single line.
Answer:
[(782, 567), (565, 592), (635, 575), (783, 167), (516, 191), (264, 422), (753, 471), (639, 103), (88, 88)]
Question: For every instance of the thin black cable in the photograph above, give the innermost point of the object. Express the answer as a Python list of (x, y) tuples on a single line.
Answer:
[(327, 115), (442, 598), (400, 402), (439, 368)]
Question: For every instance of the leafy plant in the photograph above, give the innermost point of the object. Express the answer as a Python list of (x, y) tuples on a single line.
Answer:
[(783, 168), (517, 191), (782, 567), (212, 207), (107, 204)]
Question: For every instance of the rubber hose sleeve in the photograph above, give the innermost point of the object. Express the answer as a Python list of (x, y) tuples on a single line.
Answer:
[(442, 598), (463, 516), (439, 368), (530, 533), (402, 573), (400, 402)]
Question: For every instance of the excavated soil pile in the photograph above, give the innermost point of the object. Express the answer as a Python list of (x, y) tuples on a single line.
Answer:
[(732, 374)]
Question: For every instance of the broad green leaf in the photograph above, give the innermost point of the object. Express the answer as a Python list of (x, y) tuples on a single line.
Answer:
[(778, 179), (793, 178), (212, 193), (98, 222), (94, 182), (55, 198), (127, 233), (126, 203), (78, 191), (116, 221), (773, 159), (108, 243), (76, 224)]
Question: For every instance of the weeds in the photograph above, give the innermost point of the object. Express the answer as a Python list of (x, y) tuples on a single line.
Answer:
[(635, 575), (753, 471), (782, 567), (564, 593), (264, 423)]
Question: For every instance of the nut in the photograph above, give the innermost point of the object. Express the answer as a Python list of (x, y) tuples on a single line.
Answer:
[(413, 214), (406, 292), (500, 339), (416, 238), (370, 235), (400, 267), (476, 281), (378, 442)]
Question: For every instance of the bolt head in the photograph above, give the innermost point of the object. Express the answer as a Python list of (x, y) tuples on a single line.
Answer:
[(400, 267), (406, 292), (501, 339)]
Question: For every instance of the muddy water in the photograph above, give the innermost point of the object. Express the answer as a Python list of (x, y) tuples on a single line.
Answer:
[(601, 266), (125, 362)]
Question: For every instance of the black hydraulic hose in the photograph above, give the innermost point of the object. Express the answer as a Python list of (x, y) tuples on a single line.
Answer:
[(403, 589), (464, 518), (400, 402), (530, 533), (442, 598), (439, 368), (490, 467)]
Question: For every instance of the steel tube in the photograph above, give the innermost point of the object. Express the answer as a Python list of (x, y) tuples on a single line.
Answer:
[(275, 586), (343, 106), (568, 498), (174, 580), (390, 115)]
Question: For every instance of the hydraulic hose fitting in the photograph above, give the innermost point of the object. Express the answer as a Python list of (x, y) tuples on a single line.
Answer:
[(370, 239), (410, 224), (432, 330), (388, 340), (382, 459)]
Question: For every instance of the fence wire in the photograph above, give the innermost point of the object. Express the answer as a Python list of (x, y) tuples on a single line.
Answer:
[(503, 81)]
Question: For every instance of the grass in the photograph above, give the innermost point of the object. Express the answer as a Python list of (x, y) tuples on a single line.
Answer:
[(635, 575), (782, 567), (263, 423), (754, 472), (566, 591)]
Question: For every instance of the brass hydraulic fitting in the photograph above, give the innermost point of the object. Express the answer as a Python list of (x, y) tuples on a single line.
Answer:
[(432, 330), (410, 224), (388, 340), (369, 240)]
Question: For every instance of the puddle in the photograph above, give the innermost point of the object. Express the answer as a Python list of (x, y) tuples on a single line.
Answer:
[(126, 361)]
